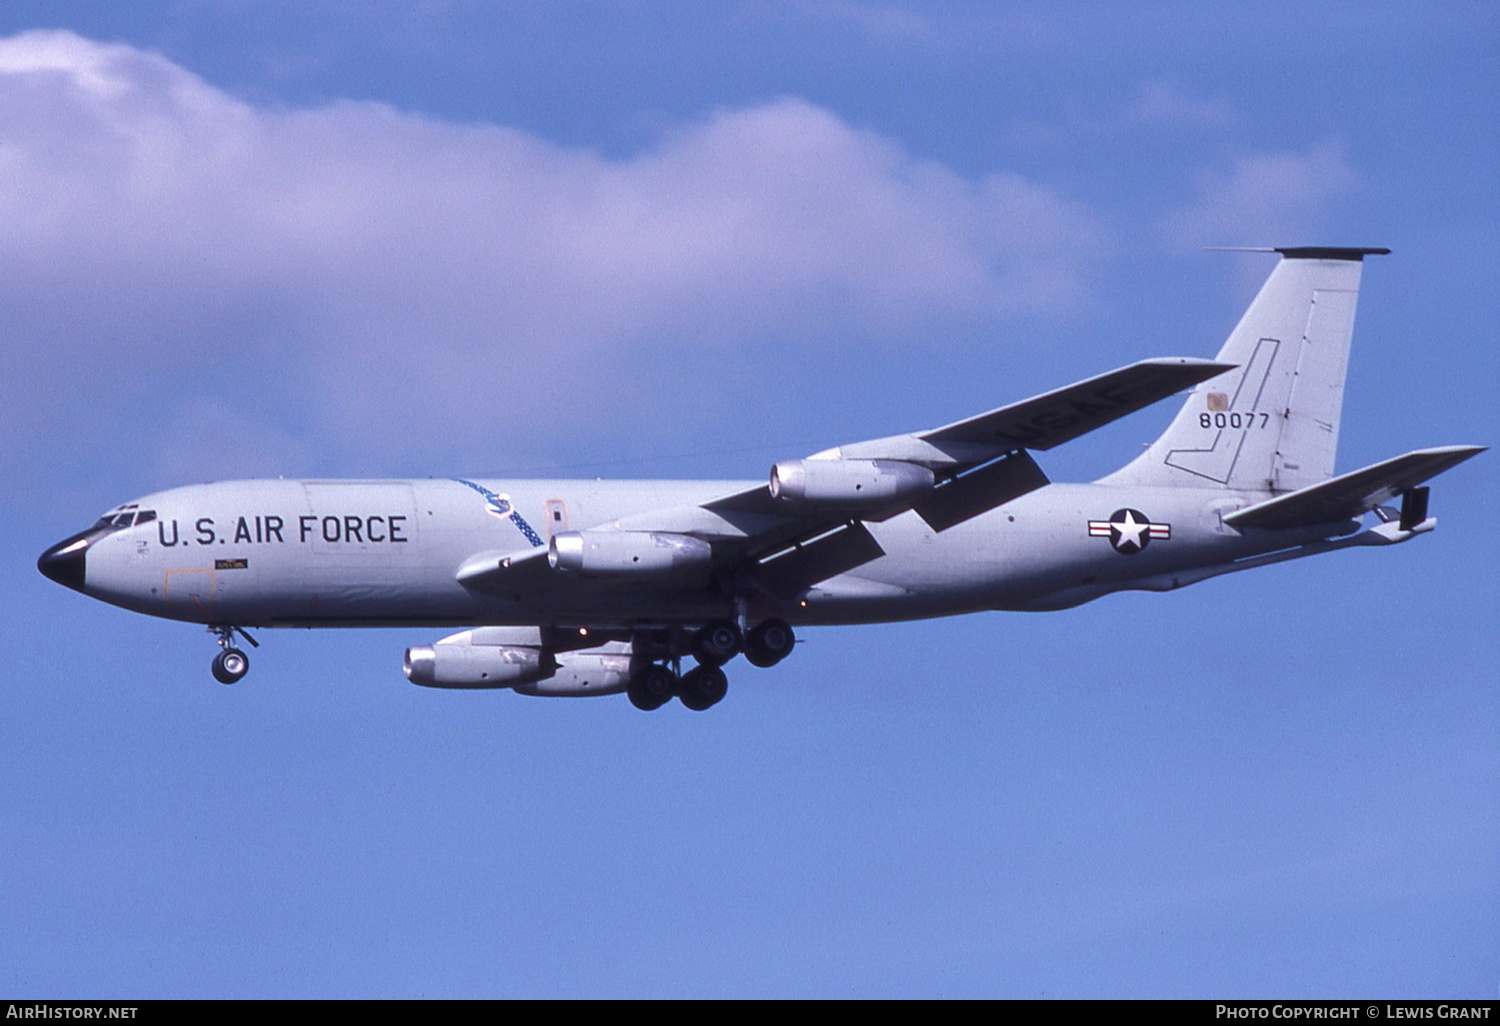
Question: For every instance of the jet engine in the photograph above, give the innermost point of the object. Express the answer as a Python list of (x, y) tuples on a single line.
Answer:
[(628, 552), (467, 661), (597, 671), (512, 657), (852, 483)]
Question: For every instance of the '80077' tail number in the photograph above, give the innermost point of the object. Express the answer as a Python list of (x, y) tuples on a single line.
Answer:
[(1238, 421)]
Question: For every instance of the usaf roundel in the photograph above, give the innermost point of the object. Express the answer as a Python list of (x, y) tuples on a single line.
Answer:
[(1129, 530)]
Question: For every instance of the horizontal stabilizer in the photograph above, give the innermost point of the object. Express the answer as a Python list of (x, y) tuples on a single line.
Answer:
[(1353, 494), (1062, 415)]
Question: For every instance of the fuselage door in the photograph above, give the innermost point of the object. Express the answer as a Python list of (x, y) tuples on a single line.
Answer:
[(192, 588)]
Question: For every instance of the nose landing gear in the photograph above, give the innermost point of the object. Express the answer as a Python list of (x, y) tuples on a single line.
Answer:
[(230, 664)]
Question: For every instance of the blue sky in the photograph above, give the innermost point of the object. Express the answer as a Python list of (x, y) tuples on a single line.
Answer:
[(641, 239)]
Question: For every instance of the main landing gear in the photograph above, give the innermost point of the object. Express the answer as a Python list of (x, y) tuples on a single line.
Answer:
[(655, 684), (702, 687), (653, 687), (230, 664)]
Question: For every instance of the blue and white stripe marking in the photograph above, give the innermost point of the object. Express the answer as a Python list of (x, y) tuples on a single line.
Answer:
[(500, 506)]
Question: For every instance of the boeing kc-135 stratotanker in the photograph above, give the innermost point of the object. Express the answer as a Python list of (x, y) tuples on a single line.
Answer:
[(598, 587)]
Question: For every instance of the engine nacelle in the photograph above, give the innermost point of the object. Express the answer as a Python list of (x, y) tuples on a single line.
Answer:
[(512, 657), (628, 552), (851, 483), (597, 671), (473, 659)]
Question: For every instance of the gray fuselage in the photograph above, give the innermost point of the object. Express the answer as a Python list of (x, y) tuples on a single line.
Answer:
[(385, 553)]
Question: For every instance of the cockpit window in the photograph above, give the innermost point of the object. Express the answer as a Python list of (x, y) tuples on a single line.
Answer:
[(125, 517)]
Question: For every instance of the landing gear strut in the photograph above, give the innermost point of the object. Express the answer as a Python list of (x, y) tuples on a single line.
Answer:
[(230, 664)]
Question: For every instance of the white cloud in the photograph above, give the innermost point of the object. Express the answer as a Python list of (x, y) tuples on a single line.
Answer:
[(884, 22), (391, 284), (1154, 111), (1170, 104), (1264, 199), (902, 26)]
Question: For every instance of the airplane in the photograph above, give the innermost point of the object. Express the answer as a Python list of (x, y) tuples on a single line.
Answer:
[(601, 587)]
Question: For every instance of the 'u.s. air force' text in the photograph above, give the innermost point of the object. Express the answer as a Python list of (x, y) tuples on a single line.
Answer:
[(269, 529)]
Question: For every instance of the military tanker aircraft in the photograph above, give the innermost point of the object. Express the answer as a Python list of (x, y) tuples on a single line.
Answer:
[(599, 587)]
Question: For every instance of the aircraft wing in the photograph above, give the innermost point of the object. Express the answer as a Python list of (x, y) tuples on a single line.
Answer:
[(958, 451), (978, 463), (1062, 415), (1043, 421), (975, 465), (1353, 494)]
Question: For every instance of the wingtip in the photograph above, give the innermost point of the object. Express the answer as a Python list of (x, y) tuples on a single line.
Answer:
[(1467, 450)]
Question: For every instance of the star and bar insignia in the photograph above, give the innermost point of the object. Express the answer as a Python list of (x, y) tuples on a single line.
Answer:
[(1129, 530)]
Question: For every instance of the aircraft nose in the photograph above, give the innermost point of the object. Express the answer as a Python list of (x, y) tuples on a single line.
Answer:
[(64, 562)]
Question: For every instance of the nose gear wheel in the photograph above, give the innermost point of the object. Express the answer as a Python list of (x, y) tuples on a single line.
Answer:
[(231, 664)]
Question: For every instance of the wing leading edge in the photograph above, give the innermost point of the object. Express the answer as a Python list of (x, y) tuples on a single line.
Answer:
[(1064, 414)]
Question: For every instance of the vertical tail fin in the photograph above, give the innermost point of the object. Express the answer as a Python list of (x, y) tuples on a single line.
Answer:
[(1272, 423)]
